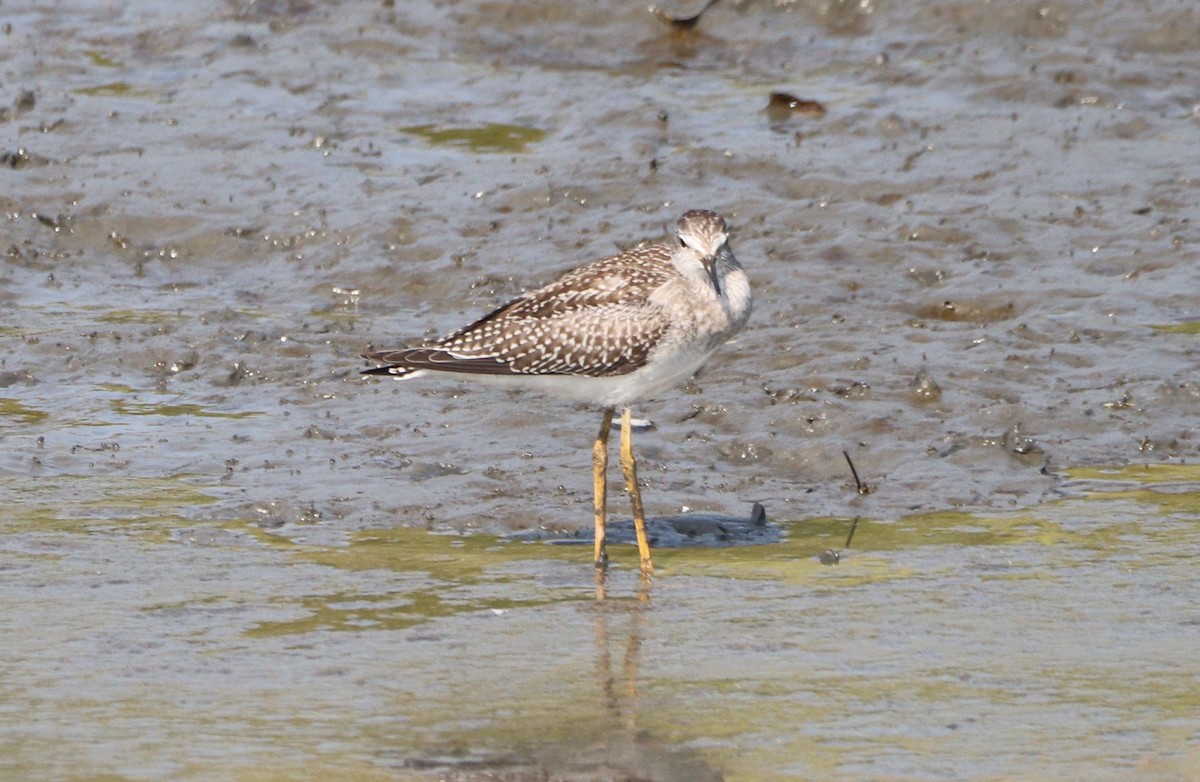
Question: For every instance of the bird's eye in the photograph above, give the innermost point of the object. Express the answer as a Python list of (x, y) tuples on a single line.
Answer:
[(682, 243)]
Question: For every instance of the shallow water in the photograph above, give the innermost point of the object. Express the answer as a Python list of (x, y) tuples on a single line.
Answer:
[(976, 273), (1047, 643)]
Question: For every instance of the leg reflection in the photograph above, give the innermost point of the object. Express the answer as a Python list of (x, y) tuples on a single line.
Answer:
[(620, 693)]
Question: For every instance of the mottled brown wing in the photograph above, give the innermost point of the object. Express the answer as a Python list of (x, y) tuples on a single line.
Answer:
[(597, 320)]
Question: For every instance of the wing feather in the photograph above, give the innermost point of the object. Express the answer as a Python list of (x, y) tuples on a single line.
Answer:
[(598, 320)]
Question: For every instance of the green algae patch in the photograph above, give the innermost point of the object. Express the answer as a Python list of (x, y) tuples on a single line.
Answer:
[(1170, 503), (100, 59), (876, 555), (117, 388), (1187, 327), (449, 558), (439, 576), (139, 317), (356, 613), (794, 560), (1014, 528), (122, 407), (14, 410), (114, 89), (1172, 488), (493, 137), (98, 504), (350, 611), (1138, 473)]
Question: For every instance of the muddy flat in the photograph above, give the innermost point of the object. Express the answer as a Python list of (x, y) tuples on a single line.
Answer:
[(971, 230)]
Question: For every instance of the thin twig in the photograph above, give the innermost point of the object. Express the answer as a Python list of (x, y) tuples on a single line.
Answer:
[(858, 484)]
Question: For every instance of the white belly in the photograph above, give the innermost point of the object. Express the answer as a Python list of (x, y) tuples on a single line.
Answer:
[(619, 390)]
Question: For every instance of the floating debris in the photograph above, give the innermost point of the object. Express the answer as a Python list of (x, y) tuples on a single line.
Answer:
[(493, 137), (782, 106), (20, 158), (924, 388), (683, 21), (687, 530)]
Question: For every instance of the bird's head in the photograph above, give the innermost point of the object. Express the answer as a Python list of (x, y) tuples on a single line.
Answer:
[(704, 234)]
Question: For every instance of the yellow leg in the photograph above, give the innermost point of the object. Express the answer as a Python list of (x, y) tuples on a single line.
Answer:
[(600, 486), (629, 467)]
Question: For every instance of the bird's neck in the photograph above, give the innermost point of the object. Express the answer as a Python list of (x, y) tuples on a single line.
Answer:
[(735, 290)]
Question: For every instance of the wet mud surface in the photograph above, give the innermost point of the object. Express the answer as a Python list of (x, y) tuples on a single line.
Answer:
[(971, 231)]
